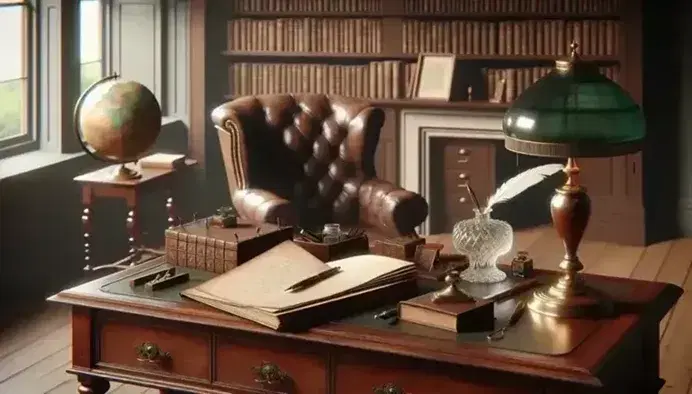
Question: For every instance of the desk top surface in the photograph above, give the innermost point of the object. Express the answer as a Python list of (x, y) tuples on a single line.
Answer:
[(647, 302)]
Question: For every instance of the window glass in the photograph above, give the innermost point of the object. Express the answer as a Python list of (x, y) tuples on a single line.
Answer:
[(14, 42), (90, 41)]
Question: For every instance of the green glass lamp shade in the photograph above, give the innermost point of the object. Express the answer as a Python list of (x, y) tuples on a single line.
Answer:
[(574, 111)]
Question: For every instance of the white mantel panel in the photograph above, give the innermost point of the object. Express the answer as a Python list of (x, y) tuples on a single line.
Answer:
[(418, 127)]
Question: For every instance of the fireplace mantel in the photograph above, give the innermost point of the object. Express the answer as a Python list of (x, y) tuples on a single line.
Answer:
[(419, 127)]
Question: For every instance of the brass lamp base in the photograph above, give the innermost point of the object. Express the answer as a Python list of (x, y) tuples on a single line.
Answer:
[(125, 173), (570, 209), (562, 300)]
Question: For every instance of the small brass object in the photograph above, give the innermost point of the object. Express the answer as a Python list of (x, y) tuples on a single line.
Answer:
[(150, 352), (269, 374), (144, 279), (389, 388), (451, 293), (469, 90)]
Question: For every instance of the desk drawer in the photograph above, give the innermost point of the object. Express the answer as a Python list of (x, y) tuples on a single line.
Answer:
[(156, 350), (270, 365), (370, 376)]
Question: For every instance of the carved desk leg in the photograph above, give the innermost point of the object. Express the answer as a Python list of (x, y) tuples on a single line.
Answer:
[(92, 385)]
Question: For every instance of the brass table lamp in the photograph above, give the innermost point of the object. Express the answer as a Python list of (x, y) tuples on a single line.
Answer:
[(572, 112)]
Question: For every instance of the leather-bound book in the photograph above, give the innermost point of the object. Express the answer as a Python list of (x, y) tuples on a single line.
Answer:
[(469, 316)]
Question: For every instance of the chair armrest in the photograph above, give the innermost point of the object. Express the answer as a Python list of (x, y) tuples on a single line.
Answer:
[(389, 208), (262, 206)]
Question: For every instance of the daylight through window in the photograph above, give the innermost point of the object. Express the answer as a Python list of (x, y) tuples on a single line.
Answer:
[(15, 44), (90, 37)]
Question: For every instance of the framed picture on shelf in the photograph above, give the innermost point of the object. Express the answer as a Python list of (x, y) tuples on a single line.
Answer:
[(435, 77)]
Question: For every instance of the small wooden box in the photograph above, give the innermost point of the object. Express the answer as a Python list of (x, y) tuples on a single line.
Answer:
[(403, 248), (218, 249), (335, 251)]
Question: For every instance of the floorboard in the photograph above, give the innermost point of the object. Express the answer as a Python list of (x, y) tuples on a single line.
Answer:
[(35, 350)]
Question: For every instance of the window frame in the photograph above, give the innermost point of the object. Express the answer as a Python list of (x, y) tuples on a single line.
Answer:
[(29, 140)]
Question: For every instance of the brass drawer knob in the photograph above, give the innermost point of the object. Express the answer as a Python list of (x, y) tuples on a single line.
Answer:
[(269, 373), (464, 153), (389, 388), (151, 353), (462, 200)]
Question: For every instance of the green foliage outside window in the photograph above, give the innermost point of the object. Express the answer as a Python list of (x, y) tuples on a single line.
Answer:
[(12, 102)]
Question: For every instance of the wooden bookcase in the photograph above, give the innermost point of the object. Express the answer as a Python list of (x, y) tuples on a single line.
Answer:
[(368, 48)]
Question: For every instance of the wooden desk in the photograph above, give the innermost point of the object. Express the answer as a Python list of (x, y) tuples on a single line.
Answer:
[(211, 352), (99, 183)]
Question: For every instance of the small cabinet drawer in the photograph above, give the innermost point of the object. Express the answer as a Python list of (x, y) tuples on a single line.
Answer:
[(388, 377), (274, 367), (466, 153), (156, 350)]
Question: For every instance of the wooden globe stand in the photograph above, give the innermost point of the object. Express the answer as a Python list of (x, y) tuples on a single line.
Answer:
[(125, 173)]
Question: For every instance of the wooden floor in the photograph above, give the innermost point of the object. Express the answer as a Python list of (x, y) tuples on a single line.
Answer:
[(35, 352)]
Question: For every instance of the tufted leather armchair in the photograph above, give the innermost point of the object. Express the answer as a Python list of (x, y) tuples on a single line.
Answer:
[(308, 159)]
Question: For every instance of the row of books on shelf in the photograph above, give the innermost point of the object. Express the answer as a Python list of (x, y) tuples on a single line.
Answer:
[(533, 37), (361, 35), (511, 6), (389, 79), (432, 6), (309, 5), (384, 79), (516, 80)]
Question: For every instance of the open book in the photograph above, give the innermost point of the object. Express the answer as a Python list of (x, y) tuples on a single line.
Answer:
[(256, 290)]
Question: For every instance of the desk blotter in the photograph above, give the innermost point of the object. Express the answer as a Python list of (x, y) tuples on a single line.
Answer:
[(533, 334), (122, 286)]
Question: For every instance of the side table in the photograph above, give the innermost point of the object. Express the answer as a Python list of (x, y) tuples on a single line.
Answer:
[(100, 183)]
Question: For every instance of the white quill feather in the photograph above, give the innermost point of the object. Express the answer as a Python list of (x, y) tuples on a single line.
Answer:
[(521, 182)]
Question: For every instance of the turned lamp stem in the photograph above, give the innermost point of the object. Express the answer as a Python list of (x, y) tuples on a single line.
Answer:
[(570, 208)]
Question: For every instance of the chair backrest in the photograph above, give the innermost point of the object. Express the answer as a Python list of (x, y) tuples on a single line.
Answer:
[(311, 149)]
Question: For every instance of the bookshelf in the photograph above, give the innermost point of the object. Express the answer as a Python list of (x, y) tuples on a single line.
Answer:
[(369, 49)]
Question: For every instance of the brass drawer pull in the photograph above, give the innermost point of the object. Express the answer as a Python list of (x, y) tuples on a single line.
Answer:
[(463, 176), (462, 200), (464, 153), (389, 388), (268, 373), (151, 353)]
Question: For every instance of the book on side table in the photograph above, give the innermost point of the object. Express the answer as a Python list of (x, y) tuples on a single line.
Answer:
[(259, 291)]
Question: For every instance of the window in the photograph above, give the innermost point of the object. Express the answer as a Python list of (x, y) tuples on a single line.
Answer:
[(90, 37), (16, 48)]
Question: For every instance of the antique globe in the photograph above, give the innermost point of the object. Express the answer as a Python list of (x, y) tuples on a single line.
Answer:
[(117, 121)]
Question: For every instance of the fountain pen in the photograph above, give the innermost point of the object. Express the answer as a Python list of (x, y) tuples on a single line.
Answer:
[(313, 280)]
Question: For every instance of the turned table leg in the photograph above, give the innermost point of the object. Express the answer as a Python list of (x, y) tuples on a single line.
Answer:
[(86, 226), (170, 210), (92, 385), (133, 228)]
